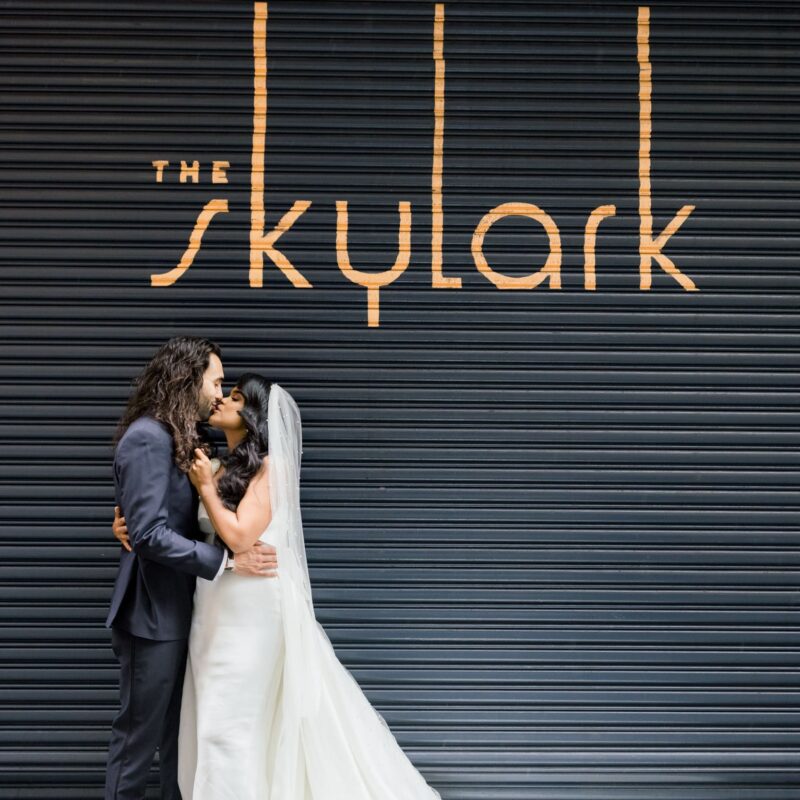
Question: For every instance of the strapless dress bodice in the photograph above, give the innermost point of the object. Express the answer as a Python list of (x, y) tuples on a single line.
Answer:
[(205, 524)]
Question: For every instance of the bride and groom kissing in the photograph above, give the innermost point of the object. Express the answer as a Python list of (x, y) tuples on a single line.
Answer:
[(224, 669)]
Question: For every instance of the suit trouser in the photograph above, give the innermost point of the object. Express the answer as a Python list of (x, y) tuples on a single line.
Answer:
[(151, 683)]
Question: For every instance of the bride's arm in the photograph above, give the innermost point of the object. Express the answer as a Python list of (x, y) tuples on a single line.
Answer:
[(242, 528)]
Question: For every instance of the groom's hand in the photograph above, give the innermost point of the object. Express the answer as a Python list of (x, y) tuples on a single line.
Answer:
[(260, 561)]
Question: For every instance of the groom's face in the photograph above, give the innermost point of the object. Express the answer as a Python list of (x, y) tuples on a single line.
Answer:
[(211, 389)]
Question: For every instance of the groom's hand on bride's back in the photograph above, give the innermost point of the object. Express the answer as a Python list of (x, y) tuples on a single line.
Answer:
[(120, 530), (260, 561)]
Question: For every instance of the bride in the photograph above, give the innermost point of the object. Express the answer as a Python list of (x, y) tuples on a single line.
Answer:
[(268, 711)]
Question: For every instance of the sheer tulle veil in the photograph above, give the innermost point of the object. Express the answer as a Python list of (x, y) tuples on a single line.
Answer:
[(340, 745), (285, 431), (285, 453)]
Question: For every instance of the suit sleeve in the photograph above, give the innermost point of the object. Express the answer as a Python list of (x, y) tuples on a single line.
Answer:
[(144, 462)]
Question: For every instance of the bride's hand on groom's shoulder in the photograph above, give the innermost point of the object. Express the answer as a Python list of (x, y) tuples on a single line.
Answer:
[(200, 473)]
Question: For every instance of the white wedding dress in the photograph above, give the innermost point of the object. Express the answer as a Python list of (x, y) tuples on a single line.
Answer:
[(269, 712)]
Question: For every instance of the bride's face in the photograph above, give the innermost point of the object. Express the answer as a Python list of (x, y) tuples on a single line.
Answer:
[(225, 414)]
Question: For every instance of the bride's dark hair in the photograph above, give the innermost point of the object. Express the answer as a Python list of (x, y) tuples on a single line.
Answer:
[(242, 463)]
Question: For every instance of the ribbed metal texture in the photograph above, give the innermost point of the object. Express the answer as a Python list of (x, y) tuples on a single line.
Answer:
[(552, 532)]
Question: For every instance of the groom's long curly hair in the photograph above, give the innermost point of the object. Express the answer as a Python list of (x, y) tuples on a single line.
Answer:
[(242, 463), (168, 389)]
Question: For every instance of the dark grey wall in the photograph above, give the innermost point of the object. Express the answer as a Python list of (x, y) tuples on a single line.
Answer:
[(553, 533)]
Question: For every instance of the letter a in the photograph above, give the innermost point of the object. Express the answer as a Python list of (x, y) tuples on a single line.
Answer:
[(552, 268)]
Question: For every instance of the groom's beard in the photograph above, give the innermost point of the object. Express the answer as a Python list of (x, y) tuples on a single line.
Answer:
[(205, 409)]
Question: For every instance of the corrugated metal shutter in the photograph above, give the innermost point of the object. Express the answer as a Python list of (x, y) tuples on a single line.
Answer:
[(553, 533)]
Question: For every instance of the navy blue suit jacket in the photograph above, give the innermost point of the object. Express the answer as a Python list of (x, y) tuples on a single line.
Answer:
[(154, 589)]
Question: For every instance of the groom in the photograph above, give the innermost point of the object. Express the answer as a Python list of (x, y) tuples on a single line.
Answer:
[(151, 606)]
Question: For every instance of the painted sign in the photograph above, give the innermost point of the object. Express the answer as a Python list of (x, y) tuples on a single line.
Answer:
[(264, 243)]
